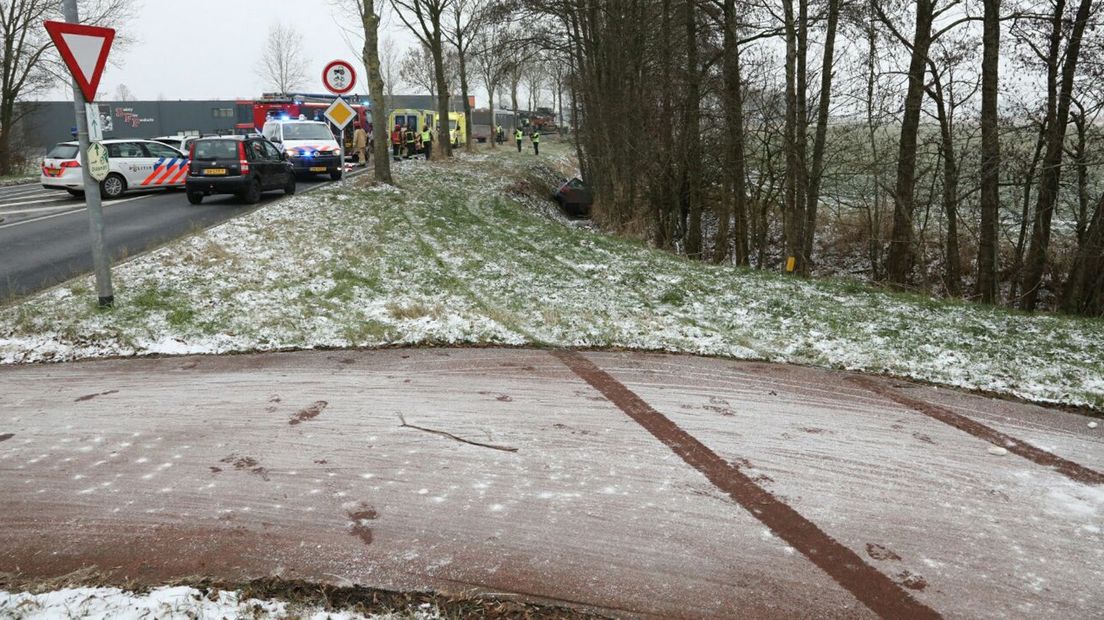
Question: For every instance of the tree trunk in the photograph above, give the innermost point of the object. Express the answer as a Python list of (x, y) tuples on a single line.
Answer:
[(874, 214), (901, 255), (1081, 165), (1052, 163), (1025, 211), (370, 53), (801, 133), (692, 137), (791, 221), (467, 103), (816, 168), (1085, 288), (494, 123), (443, 145), (7, 114), (665, 201), (734, 135), (953, 269), (988, 256)]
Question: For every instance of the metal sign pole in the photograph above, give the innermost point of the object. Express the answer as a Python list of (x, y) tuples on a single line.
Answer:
[(100, 259)]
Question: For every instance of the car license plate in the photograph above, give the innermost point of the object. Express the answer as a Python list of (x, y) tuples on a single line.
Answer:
[(318, 169), (53, 172), (214, 171)]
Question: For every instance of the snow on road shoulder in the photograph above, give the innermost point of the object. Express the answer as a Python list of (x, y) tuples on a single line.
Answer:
[(170, 602), (458, 254)]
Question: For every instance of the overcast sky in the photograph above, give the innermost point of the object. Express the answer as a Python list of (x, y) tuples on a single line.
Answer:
[(210, 49)]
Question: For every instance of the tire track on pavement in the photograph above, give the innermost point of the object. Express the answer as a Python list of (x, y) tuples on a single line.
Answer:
[(867, 584), (1073, 471)]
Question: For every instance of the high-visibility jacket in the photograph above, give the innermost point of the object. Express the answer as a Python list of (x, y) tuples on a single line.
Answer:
[(396, 137), (535, 137), (427, 136), (518, 135), (409, 136)]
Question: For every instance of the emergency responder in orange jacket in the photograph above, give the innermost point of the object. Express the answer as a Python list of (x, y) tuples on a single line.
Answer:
[(396, 142)]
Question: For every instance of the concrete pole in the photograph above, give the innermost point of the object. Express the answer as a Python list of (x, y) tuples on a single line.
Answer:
[(101, 261)]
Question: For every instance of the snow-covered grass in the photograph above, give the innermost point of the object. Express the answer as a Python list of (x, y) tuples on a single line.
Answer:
[(453, 257), (172, 602), (17, 179)]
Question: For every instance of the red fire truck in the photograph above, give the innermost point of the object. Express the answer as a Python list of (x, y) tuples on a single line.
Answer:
[(252, 114)]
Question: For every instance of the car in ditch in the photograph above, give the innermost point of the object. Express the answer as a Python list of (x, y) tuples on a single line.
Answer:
[(574, 198)]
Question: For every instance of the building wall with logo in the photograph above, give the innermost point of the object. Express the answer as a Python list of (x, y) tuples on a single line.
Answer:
[(50, 122)]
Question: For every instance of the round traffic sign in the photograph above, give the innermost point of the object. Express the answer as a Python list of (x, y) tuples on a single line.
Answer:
[(339, 77), (97, 161)]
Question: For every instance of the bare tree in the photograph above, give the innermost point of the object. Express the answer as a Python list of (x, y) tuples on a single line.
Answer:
[(390, 67), (465, 19), (490, 59), (122, 93), (946, 62), (426, 20), (1063, 61), (415, 69), (367, 10), (516, 68), (283, 64), (29, 65)]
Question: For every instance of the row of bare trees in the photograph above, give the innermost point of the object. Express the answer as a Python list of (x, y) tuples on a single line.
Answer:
[(30, 66), (952, 143)]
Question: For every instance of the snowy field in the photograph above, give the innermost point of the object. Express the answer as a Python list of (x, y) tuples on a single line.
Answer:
[(453, 256), (173, 603)]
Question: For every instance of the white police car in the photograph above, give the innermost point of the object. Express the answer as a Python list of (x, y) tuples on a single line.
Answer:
[(181, 143), (133, 164), (310, 146)]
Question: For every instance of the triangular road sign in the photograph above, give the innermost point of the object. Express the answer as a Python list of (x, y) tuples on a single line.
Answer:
[(84, 50)]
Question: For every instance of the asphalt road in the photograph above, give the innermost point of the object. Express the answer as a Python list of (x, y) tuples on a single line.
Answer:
[(44, 236), (636, 485)]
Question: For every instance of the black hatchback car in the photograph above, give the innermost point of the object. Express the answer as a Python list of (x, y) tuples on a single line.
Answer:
[(575, 198), (241, 165)]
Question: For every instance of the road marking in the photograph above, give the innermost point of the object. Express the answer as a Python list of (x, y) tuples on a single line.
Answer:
[(40, 196), (35, 202), (77, 210), (866, 583), (1069, 469), (76, 205), (27, 190)]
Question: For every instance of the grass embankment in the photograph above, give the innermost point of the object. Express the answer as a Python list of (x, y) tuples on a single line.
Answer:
[(452, 258)]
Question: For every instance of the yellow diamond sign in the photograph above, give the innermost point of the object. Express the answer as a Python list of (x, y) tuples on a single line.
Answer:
[(340, 113)]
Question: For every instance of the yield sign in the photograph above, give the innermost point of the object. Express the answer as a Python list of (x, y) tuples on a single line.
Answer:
[(84, 49)]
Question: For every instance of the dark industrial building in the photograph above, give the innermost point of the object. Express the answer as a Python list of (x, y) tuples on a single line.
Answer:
[(50, 122)]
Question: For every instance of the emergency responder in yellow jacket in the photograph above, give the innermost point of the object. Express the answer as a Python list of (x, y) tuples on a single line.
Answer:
[(427, 142), (518, 135), (535, 137)]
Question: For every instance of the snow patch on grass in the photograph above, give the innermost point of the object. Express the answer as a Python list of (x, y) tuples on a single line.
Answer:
[(170, 602), (457, 254)]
